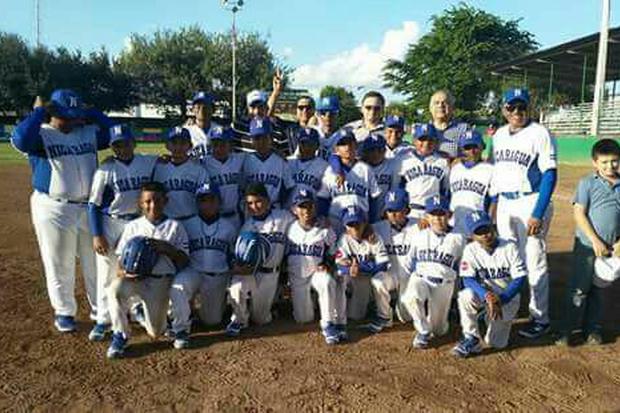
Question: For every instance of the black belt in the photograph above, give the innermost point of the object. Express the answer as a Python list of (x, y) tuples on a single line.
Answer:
[(124, 217), (268, 270), (68, 201)]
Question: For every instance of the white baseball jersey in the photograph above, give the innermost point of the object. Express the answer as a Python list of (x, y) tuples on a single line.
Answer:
[(273, 172), (307, 248), (169, 230), (364, 250), (274, 228), (116, 185), (435, 256), (227, 175), (469, 189), (201, 144), (493, 270), (359, 185), (308, 174), (210, 245), (397, 241), (423, 177), (401, 151), (521, 158), (181, 182), (384, 174)]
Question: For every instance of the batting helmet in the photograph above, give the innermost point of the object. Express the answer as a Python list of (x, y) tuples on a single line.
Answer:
[(138, 258)]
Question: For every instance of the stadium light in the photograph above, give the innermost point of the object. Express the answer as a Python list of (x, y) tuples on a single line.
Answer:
[(233, 6)]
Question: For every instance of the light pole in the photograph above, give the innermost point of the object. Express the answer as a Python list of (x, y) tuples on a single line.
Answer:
[(234, 6)]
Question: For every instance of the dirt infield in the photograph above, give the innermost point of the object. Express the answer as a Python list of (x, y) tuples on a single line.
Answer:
[(283, 367)]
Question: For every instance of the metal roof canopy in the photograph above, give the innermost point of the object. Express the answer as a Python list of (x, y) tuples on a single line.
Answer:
[(572, 61)]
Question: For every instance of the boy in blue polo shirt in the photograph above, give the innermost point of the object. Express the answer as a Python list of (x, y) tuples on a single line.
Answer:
[(597, 216)]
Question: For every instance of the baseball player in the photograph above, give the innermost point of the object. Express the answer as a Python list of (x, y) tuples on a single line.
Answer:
[(493, 274), (327, 110), (373, 153), (310, 258), (181, 175), (308, 170), (396, 232), (470, 181), (261, 287), (432, 264), (265, 166), (63, 159), (359, 186), (441, 108), (113, 203), (225, 169), (394, 131), (362, 256), (211, 241), (202, 109), (169, 239), (524, 209), (425, 173)]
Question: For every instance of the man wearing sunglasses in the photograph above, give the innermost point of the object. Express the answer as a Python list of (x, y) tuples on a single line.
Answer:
[(441, 108), (373, 106), (524, 177)]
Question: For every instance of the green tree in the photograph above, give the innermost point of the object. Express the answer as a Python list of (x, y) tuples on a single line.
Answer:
[(349, 111), (13, 73), (455, 54)]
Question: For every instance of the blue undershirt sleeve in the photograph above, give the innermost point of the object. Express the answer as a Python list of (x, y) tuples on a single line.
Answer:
[(104, 123), (95, 219), (336, 164), (547, 185), (343, 270), (473, 284), (322, 206), (26, 136), (512, 289)]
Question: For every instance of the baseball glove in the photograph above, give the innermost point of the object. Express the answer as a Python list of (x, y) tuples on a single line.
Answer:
[(138, 257), (252, 250), (494, 306)]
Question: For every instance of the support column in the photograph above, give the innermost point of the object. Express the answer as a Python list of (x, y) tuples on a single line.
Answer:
[(601, 65)]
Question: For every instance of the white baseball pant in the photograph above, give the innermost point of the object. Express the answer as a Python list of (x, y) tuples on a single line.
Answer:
[(260, 290), (436, 297), (212, 292), (62, 234), (512, 217), (303, 306), (379, 285), (402, 312), (498, 331), (154, 293)]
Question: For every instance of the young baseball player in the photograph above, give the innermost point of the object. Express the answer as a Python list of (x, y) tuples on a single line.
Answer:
[(307, 169), (358, 186), (181, 175), (396, 232), (432, 264), (310, 259), (394, 131), (493, 275), (169, 240), (327, 110), (596, 210), (425, 173), (373, 153), (362, 256), (225, 170), (211, 242), (113, 203), (470, 181), (260, 287), (63, 157), (524, 178), (202, 109), (265, 166)]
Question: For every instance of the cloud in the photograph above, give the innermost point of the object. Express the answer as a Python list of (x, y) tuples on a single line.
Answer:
[(361, 66), (287, 52)]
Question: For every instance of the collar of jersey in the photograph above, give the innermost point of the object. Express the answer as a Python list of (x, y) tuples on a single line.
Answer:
[(261, 158), (163, 218), (264, 217), (605, 181), (422, 157), (209, 221), (127, 162)]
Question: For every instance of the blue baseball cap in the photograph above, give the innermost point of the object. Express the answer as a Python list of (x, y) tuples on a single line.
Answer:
[(353, 215), (373, 141), (256, 96), (471, 137), (302, 196), (260, 127), (328, 104), (178, 132), (221, 133), (120, 133), (396, 200), (424, 130), (203, 97), (394, 121), (208, 188), (308, 135), (344, 136), (512, 95), (476, 220), (67, 104), (436, 203)]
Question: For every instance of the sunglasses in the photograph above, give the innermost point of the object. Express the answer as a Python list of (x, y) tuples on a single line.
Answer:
[(374, 108), (304, 107), (470, 147), (438, 213), (326, 113), (484, 230), (516, 107)]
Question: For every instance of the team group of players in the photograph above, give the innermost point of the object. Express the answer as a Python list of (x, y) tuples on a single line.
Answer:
[(372, 224)]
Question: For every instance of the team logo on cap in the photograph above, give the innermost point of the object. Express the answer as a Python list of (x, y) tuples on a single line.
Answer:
[(258, 123), (392, 196), (218, 129), (517, 92), (117, 129), (73, 102), (475, 216), (350, 210)]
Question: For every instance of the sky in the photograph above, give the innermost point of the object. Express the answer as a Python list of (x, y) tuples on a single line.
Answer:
[(340, 42)]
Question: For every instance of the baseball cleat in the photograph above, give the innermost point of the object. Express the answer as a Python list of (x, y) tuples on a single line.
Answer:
[(467, 347), (181, 340), (594, 339), (421, 341), (331, 334), (117, 346), (65, 323), (99, 332), (341, 330), (233, 329), (534, 329), (377, 325)]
